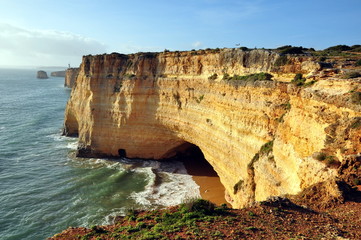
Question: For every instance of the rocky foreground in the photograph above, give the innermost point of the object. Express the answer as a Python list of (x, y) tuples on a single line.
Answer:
[(278, 218)]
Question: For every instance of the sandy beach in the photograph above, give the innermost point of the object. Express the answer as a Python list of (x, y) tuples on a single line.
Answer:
[(207, 179)]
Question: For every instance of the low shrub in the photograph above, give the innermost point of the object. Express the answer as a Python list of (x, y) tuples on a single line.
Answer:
[(288, 49), (341, 50), (244, 49), (281, 61), (352, 75), (226, 77), (292, 50), (129, 76), (252, 77), (298, 76), (357, 181), (356, 123), (320, 156), (199, 205), (356, 48), (116, 89), (298, 80), (214, 76), (286, 106), (322, 59), (199, 99), (356, 97), (338, 48), (358, 63), (329, 160), (281, 118), (267, 148), (237, 186)]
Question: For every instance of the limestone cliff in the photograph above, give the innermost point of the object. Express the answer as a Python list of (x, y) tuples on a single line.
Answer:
[(263, 138), (70, 76), (58, 74)]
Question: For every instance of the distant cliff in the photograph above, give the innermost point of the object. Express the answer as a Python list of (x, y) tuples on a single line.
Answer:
[(58, 74), (70, 77), (263, 137)]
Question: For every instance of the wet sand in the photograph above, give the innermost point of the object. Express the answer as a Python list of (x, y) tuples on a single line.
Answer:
[(206, 178)]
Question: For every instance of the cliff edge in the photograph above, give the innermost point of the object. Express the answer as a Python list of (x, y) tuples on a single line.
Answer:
[(269, 124), (70, 76)]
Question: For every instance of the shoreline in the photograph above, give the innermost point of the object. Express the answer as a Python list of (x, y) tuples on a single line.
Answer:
[(210, 186)]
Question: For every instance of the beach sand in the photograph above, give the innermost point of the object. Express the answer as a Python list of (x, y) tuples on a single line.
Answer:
[(206, 178)]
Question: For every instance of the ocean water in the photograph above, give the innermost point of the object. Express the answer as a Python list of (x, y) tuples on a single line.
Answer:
[(44, 188)]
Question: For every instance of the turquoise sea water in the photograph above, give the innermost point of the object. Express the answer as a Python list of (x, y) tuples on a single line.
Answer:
[(44, 189)]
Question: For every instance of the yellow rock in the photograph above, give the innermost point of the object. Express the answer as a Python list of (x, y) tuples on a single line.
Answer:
[(151, 105)]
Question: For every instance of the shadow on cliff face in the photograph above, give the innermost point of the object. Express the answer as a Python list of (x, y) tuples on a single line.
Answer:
[(193, 159)]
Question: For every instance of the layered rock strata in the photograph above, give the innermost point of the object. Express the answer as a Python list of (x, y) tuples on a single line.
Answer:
[(263, 138)]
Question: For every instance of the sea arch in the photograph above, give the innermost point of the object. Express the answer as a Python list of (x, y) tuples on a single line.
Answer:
[(145, 106), (156, 119)]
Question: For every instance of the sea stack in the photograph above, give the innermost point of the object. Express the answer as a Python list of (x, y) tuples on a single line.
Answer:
[(42, 75)]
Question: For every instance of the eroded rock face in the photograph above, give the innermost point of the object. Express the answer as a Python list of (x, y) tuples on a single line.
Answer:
[(70, 76), (263, 138)]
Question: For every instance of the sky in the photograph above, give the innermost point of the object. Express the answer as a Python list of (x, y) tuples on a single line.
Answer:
[(58, 33)]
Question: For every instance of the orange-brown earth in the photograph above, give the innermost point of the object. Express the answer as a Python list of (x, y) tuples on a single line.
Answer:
[(275, 219)]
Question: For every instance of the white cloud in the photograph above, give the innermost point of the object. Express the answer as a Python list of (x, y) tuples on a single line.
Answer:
[(197, 44), (44, 47)]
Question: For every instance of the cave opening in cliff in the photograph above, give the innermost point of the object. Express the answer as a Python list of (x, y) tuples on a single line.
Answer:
[(122, 152), (202, 172), (194, 161)]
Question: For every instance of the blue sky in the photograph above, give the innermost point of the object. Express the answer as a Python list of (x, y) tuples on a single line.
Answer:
[(47, 32)]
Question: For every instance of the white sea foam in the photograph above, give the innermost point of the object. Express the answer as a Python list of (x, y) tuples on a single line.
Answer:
[(64, 141), (109, 219), (168, 182), (72, 145), (57, 137), (169, 185)]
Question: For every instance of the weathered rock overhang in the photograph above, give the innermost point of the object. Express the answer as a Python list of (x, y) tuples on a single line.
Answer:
[(263, 138)]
